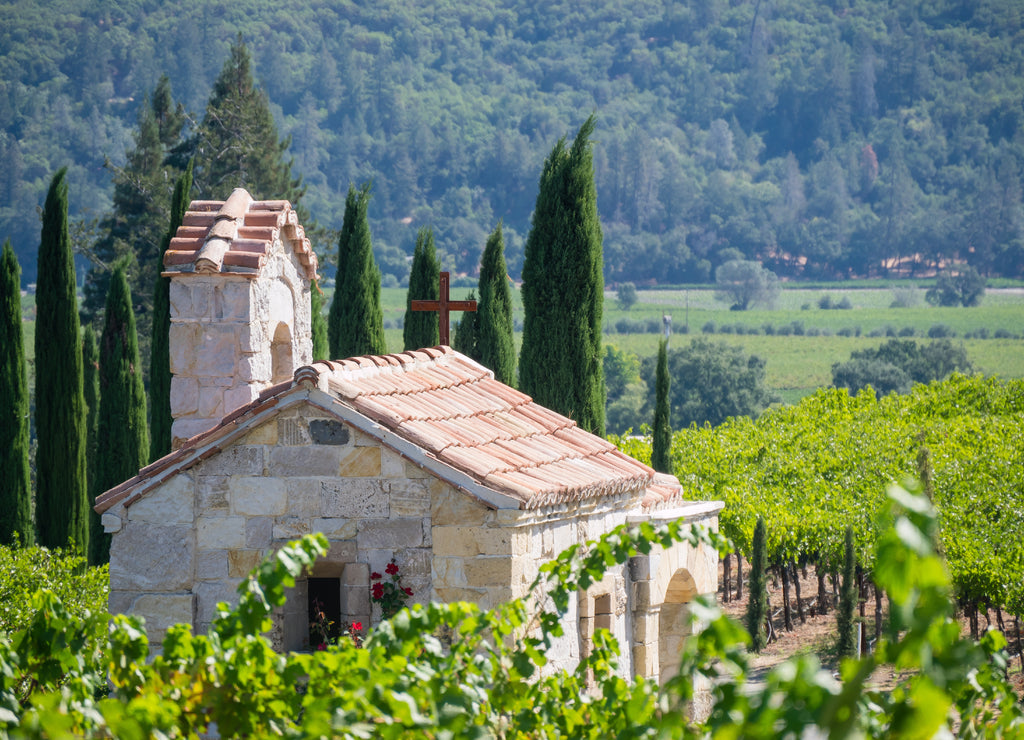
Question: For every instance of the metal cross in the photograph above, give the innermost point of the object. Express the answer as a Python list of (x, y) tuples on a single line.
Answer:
[(443, 307)]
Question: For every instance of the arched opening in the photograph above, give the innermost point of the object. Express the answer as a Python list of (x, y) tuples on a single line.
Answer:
[(281, 363), (674, 622)]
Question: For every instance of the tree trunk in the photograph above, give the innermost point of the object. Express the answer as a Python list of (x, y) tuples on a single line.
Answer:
[(787, 617), (799, 601), (822, 591), (878, 612), (972, 613), (739, 576), (726, 576)]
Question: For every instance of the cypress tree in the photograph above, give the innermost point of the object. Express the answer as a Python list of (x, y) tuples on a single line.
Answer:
[(356, 323), (847, 598), (15, 475), (560, 363), (61, 485), (495, 337), (321, 348), (160, 348), (661, 449), (467, 332), (757, 588), (122, 417), (421, 328), (91, 387)]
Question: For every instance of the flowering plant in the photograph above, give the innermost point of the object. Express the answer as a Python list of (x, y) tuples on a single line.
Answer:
[(322, 631), (389, 592)]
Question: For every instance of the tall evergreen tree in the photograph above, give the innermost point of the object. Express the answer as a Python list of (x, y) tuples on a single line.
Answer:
[(237, 144), (321, 347), (847, 598), (160, 348), (560, 363), (495, 332), (757, 588), (421, 328), (15, 475), (122, 418), (141, 201), (356, 323), (61, 485), (467, 332), (661, 448), (91, 385)]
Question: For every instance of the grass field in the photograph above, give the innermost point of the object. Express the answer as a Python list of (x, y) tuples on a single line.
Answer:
[(796, 363)]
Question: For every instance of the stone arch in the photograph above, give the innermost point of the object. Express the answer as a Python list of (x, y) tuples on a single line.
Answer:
[(674, 622), (281, 356)]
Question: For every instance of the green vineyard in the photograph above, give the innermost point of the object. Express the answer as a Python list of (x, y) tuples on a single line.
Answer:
[(815, 468)]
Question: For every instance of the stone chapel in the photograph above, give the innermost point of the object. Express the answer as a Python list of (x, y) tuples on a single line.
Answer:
[(421, 457)]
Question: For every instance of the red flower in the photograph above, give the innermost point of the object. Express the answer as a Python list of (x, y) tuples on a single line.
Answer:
[(408, 591), (392, 569), (321, 646), (375, 576), (357, 626), (378, 591)]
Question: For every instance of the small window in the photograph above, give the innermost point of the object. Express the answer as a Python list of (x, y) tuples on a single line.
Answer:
[(324, 608)]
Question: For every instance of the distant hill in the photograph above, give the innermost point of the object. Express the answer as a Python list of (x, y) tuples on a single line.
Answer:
[(825, 138)]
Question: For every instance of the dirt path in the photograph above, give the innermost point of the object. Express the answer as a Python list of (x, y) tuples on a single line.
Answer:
[(817, 635)]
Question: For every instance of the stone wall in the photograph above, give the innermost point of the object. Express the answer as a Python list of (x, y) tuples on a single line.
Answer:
[(226, 332), (186, 545)]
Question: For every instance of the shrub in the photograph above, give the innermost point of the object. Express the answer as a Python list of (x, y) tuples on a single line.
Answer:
[(906, 296), (1004, 334), (940, 331), (846, 331), (629, 326), (907, 331), (708, 328)]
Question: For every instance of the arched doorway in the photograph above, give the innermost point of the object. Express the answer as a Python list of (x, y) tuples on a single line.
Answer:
[(674, 622)]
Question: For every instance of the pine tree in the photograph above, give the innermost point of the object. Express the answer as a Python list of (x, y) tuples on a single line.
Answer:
[(560, 363), (356, 323), (467, 332), (237, 145), (847, 598), (61, 485), (141, 201), (321, 347), (122, 417), (15, 475), (160, 348), (661, 449), (496, 347), (421, 328), (757, 588)]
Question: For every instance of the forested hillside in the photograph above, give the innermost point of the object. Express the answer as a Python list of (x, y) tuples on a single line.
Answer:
[(826, 139)]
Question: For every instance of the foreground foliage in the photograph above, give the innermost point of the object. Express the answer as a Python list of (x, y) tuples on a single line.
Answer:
[(445, 671)]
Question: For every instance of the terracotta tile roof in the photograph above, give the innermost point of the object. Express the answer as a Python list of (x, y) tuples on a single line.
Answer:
[(454, 409), (456, 418), (236, 236)]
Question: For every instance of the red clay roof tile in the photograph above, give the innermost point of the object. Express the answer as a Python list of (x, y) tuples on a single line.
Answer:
[(250, 229)]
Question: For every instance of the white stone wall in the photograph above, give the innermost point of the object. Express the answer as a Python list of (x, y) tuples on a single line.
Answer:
[(221, 336), (187, 544)]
